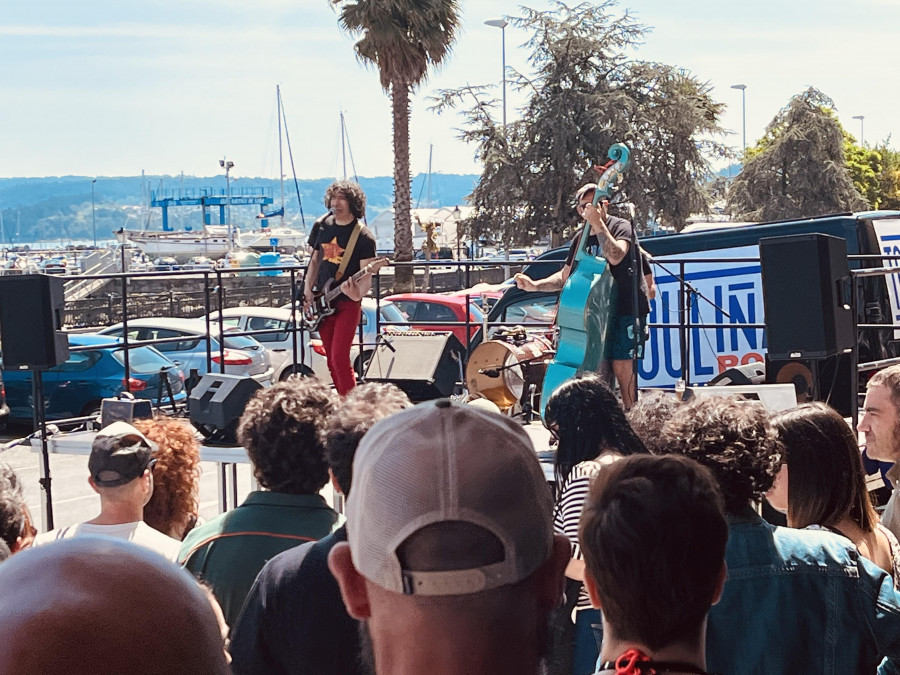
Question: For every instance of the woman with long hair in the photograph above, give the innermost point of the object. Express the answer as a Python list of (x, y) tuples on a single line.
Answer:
[(822, 483), (591, 430), (173, 508)]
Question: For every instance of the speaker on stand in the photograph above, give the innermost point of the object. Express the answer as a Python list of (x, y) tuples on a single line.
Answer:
[(31, 319), (809, 320)]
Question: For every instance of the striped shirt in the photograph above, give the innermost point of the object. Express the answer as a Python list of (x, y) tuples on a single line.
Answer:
[(571, 503)]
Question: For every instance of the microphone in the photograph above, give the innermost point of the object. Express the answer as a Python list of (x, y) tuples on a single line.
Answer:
[(490, 372), (387, 343)]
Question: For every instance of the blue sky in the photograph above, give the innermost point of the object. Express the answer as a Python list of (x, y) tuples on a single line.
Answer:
[(112, 88)]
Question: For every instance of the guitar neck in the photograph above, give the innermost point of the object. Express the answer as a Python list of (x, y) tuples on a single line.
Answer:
[(334, 292)]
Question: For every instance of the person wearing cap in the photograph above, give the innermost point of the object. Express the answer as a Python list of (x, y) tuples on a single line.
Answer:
[(293, 620), (451, 562), (653, 533), (121, 472), (280, 429), (611, 239)]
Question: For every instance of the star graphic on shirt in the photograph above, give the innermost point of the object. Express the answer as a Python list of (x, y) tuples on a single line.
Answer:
[(332, 251)]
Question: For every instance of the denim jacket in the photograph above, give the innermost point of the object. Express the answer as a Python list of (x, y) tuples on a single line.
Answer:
[(801, 601)]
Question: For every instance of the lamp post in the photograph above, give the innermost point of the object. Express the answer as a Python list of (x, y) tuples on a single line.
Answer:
[(501, 24), (93, 213), (862, 138), (743, 88), (228, 165)]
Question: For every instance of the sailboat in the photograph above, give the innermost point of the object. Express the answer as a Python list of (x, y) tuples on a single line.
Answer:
[(269, 237)]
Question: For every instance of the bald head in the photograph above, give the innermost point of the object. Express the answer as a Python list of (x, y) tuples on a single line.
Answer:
[(96, 605)]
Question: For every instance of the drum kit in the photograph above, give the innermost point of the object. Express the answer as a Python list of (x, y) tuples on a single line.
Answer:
[(509, 370)]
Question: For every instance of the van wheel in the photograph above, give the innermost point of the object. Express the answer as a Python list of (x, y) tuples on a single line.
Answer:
[(302, 371)]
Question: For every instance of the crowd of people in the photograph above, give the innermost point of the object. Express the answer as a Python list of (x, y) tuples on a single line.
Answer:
[(646, 554)]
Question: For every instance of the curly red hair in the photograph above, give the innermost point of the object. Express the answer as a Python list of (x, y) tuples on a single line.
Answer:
[(174, 505)]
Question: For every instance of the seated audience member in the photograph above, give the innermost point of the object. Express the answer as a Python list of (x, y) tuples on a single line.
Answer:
[(16, 529), (648, 415), (98, 606), (121, 472), (822, 483), (280, 430), (173, 509), (294, 620), (653, 535), (451, 562), (795, 600), (880, 424), (586, 418)]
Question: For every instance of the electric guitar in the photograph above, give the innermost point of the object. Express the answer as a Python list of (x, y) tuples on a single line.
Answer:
[(588, 298), (321, 305)]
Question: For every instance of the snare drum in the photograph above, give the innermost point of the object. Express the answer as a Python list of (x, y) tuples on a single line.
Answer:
[(517, 367)]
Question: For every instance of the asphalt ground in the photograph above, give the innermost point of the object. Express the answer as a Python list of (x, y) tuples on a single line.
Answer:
[(74, 500)]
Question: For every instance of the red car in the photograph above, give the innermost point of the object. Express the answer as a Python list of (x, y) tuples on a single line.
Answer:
[(422, 310)]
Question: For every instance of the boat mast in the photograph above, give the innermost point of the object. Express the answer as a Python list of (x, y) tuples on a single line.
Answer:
[(280, 157), (344, 144)]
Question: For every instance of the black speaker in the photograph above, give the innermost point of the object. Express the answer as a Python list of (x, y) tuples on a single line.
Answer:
[(424, 365), (217, 402), (806, 292), (827, 380), (31, 319)]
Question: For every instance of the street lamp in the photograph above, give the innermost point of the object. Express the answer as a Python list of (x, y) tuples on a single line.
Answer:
[(228, 165), (93, 213), (743, 88), (862, 140), (501, 24)]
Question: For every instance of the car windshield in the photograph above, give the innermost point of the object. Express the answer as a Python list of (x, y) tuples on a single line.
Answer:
[(390, 312), (143, 360)]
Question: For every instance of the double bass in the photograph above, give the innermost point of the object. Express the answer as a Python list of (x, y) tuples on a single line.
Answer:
[(587, 301)]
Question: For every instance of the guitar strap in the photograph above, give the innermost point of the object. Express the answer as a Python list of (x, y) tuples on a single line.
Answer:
[(348, 252)]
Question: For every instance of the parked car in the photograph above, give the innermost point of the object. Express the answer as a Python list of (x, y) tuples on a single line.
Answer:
[(421, 309), (241, 355), (76, 387), (280, 345)]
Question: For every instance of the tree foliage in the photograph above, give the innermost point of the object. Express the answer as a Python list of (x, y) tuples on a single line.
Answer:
[(584, 94), (798, 168), (402, 39)]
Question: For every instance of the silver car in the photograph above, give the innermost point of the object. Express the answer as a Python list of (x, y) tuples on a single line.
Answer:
[(241, 355)]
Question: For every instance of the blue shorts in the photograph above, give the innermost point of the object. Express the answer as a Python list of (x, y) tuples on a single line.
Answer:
[(620, 340)]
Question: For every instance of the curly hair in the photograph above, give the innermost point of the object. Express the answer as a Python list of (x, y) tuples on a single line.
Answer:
[(588, 420), (350, 191), (648, 415), (13, 511), (826, 479), (734, 438), (280, 430), (173, 506), (361, 408)]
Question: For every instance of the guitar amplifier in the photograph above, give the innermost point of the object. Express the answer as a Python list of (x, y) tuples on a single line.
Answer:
[(424, 365), (126, 408)]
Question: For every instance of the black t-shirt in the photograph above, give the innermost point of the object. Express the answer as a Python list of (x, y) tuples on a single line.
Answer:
[(620, 229), (332, 241)]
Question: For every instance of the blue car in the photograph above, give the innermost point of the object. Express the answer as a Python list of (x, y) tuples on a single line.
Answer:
[(76, 387)]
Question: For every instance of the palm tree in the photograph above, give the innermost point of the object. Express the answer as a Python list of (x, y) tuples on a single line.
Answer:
[(401, 38)]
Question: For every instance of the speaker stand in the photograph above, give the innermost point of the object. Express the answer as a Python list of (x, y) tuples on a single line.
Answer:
[(40, 423)]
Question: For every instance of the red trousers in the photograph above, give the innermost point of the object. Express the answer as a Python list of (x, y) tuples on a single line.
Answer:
[(337, 332)]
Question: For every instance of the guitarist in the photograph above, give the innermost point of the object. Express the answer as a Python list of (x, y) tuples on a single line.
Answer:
[(342, 246), (611, 239)]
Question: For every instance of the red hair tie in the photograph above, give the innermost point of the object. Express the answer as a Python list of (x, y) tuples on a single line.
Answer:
[(626, 664)]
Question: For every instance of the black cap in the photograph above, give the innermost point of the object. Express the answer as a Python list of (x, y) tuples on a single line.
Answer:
[(120, 453)]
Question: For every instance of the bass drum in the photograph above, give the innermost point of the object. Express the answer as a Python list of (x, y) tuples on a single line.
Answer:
[(516, 366)]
